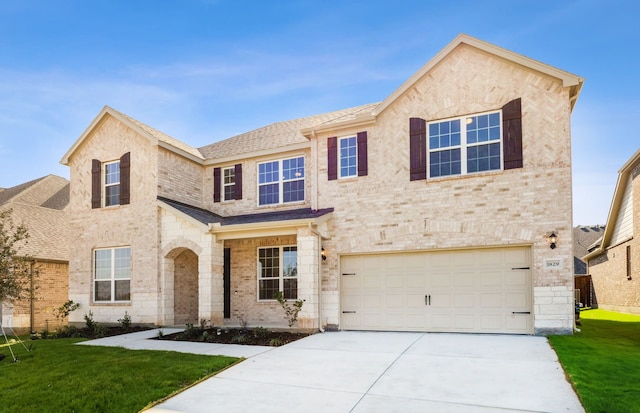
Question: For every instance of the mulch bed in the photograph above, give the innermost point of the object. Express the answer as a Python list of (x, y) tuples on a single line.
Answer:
[(255, 336)]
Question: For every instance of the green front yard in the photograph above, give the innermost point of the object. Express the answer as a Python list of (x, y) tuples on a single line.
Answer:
[(58, 376), (603, 361)]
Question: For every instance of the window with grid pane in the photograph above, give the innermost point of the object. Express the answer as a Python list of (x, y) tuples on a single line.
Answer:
[(112, 183), (277, 271), (348, 157), (465, 145), (112, 274), (229, 183), (281, 181)]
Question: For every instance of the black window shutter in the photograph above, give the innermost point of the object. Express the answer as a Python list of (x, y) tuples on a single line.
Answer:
[(417, 149), (332, 158), (216, 184), (96, 187), (238, 186), (512, 134), (361, 141), (125, 179)]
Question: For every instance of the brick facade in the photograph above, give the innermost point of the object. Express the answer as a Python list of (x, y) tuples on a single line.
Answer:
[(382, 212), (52, 288)]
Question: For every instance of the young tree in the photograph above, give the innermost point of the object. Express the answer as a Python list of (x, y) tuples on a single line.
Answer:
[(16, 268)]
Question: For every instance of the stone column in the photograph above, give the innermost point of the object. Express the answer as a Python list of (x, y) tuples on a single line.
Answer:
[(308, 278), (211, 283)]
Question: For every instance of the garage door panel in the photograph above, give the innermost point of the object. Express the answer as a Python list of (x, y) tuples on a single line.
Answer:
[(467, 291), (464, 300), (439, 279)]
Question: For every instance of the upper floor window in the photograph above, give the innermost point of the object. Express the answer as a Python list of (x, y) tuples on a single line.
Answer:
[(277, 271), (490, 141), (110, 182), (227, 183), (465, 145), (112, 274), (281, 181), (347, 156)]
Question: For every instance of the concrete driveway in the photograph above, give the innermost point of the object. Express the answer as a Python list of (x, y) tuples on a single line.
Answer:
[(389, 372)]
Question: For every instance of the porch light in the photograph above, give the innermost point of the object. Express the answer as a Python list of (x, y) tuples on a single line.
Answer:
[(553, 239), (323, 253)]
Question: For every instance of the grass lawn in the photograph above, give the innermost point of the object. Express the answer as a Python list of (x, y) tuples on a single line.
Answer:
[(58, 376), (603, 361)]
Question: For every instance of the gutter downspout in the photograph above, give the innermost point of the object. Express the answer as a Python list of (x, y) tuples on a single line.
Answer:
[(31, 298), (316, 233)]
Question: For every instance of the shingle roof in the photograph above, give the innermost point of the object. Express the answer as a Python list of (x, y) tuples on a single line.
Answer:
[(161, 136), (207, 217), (583, 239), (277, 135), (41, 205)]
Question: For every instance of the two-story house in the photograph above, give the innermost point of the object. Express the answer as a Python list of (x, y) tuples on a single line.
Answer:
[(431, 210)]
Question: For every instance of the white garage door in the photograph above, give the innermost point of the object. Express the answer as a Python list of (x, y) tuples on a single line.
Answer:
[(479, 291)]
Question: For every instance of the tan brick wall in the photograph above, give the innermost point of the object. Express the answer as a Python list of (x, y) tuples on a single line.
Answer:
[(186, 287), (52, 291), (180, 179), (134, 225), (384, 211), (249, 202), (244, 288)]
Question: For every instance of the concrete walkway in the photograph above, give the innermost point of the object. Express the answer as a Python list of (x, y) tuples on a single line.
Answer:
[(378, 372)]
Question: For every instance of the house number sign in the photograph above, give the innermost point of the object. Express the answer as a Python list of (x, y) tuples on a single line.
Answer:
[(552, 264)]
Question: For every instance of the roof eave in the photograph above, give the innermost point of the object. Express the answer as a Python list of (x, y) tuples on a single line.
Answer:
[(260, 229), (358, 121), (568, 80), (106, 110)]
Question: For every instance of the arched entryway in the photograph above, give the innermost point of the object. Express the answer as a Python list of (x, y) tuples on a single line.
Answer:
[(185, 293)]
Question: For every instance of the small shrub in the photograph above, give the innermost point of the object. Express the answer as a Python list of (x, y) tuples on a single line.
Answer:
[(66, 331), (125, 322), (99, 330), (239, 338), (276, 342), (205, 336), (244, 325), (260, 332), (64, 310), (291, 310), (88, 321), (160, 333), (192, 331)]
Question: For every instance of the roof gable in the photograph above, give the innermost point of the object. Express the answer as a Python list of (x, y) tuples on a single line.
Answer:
[(568, 79), (41, 205), (618, 204), (153, 135)]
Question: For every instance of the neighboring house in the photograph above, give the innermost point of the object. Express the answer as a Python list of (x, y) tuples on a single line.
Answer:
[(583, 239), (42, 206), (614, 260), (428, 211)]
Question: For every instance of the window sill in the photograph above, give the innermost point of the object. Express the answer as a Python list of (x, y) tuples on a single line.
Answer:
[(466, 176)]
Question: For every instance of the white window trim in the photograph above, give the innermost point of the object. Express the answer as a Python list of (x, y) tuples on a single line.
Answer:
[(281, 277), (280, 181), (104, 185), (224, 185), (112, 280), (463, 145), (355, 174)]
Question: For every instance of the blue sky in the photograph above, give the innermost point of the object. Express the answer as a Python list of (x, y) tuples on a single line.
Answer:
[(205, 70)]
